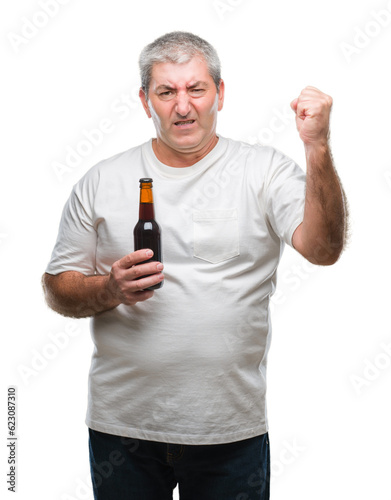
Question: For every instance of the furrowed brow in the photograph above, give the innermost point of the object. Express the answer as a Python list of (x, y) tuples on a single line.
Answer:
[(163, 87), (200, 83)]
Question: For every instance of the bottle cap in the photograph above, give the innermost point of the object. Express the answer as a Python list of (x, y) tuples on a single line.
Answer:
[(148, 179)]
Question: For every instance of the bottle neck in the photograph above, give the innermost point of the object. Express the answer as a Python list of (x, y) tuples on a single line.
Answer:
[(146, 210)]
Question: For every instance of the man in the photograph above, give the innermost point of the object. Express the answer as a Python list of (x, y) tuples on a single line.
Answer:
[(178, 376)]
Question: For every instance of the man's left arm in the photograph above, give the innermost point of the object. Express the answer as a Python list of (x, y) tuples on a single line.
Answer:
[(321, 236)]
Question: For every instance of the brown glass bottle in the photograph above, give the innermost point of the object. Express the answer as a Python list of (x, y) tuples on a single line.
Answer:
[(146, 232)]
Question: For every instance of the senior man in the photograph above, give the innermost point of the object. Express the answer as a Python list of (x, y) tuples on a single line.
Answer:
[(178, 376)]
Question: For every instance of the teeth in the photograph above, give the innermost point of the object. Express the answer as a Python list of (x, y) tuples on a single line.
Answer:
[(183, 123)]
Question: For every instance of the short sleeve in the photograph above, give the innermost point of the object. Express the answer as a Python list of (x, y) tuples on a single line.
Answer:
[(75, 248), (285, 196)]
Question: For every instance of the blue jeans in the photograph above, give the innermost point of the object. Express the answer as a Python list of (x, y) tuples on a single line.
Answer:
[(135, 469)]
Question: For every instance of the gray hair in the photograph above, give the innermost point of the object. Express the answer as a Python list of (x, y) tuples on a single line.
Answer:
[(178, 47)]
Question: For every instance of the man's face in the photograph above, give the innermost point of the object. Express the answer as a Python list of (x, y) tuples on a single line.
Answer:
[(183, 103)]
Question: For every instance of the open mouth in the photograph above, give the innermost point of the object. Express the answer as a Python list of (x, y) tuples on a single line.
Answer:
[(184, 123)]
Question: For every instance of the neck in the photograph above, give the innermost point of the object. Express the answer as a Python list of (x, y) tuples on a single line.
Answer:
[(180, 159)]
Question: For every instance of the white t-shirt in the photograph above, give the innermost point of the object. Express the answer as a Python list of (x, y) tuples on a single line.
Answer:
[(188, 365)]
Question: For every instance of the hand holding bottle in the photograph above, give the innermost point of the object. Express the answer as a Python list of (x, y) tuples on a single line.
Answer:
[(129, 278)]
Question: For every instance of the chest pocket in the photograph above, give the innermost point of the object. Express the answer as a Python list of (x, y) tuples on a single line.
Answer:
[(216, 235)]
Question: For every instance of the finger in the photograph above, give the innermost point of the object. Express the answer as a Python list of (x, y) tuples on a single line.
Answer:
[(294, 104), (303, 110), (312, 93), (134, 258), (317, 94), (312, 89), (146, 282), (144, 295), (312, 107), (136, 272), (140, 296)]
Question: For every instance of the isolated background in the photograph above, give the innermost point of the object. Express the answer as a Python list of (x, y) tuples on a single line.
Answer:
[(329, 376)]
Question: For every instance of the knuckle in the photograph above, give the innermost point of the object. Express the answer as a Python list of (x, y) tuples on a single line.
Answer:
[(115, 273), (136, 271), (139, 285), (128, 260)]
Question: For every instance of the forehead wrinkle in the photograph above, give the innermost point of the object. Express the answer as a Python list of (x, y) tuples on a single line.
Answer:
[(170, 86)]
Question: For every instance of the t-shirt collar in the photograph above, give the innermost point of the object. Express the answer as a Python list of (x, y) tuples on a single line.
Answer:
[(198, 167)]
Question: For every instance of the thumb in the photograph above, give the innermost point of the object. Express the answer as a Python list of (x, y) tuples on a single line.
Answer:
[(294, 104)]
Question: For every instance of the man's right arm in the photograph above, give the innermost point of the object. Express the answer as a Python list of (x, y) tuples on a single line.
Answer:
[(73, 294)]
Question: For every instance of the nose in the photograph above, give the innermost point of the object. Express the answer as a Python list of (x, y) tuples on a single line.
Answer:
[(182, 105)]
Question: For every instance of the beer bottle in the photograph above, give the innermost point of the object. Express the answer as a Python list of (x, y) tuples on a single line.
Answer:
[(147, 231)]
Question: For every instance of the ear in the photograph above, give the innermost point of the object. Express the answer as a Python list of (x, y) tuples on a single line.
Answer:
[(144, 102), (221, 95)]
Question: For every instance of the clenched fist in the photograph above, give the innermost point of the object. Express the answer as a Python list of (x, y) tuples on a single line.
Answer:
[(312, 109)]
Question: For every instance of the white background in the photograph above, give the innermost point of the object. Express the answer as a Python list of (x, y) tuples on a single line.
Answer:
[(329, 377)]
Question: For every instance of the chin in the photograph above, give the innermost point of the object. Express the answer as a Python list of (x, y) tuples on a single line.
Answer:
[(186, 143)]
